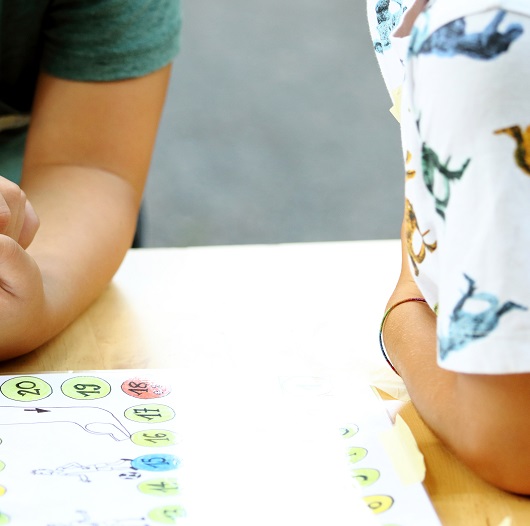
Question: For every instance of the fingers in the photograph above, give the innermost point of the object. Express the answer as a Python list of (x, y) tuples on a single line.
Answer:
[(18, 219), (30, 226), (15, 266), (23, 323), (21, 288)]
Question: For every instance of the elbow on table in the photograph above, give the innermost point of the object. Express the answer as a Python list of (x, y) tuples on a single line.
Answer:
[(485, 421), (498, 452)]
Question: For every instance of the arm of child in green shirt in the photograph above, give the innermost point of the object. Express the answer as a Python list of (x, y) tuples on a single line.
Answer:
[(87, 156)]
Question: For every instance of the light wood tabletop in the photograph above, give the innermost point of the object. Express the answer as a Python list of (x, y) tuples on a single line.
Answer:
[(301, 308)]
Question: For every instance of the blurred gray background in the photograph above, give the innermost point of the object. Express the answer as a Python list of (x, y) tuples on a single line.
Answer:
[(276, 129)]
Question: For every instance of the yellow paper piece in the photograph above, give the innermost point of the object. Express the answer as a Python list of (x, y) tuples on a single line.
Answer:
[(401, 447), (395, 110)]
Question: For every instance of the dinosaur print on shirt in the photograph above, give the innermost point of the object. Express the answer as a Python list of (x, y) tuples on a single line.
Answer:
[(387, 20), (522, 148), (412, 230), (453, 39), (465, 326), (433, 168)]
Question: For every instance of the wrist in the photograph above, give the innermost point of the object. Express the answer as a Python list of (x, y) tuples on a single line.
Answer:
[(393, 305), (409, 336), (25, 321)]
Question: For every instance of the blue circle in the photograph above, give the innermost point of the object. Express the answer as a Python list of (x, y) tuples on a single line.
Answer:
[(156, 462)]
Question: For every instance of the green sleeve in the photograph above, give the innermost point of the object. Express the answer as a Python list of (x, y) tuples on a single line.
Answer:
[(101, 40)]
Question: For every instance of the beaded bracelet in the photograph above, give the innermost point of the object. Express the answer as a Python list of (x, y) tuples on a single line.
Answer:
[(388, 311)]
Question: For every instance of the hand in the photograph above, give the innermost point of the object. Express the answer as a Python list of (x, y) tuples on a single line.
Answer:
[(23, 316), (21, 287), (18, 219)]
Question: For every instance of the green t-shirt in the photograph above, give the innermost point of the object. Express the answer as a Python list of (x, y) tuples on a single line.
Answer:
[(85, 40)]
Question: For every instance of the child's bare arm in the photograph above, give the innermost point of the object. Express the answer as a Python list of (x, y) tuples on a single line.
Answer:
[(87, 157), (483, 419)]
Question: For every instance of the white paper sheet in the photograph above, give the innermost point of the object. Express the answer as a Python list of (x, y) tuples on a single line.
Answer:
[(142, 448)]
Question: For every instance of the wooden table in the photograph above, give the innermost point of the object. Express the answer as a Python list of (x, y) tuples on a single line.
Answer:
[(303, 308)]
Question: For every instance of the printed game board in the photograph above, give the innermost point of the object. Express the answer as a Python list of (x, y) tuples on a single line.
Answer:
[(144, 448)]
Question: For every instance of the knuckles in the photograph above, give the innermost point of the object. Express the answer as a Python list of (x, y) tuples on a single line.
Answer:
[(5, 218), (12, 202), (8, 249)]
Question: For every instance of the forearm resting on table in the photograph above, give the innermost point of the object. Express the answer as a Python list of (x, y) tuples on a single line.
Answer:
[(87, 218), (482, 419), (86, 160)]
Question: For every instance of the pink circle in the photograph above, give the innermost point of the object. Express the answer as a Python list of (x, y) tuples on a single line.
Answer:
[(144, 388)]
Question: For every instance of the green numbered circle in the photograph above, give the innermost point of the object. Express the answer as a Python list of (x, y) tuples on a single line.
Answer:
[(4, 519), (365, 476), (161, 487), (85, 388), (26, 389), (379, 503), (167, 514), (355, 454), (349, 431), (154, 438), (2, 465), (150, 413)]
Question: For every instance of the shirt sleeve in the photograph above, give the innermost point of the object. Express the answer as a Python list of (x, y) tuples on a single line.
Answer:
[(384, 18), (469, 79), (102, 40)]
